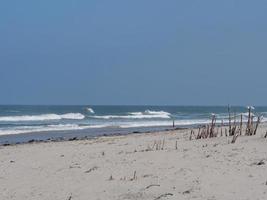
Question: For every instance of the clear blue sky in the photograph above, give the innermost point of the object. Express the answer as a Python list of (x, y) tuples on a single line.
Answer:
[(189, 52)]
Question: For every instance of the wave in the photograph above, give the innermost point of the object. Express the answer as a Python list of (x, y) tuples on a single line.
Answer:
[(177, 123), (72, 127), (165, 123), (124, 125), (264, 119), (43, 117), (30, 129), (138, 115), (237, 116), (13, 111), (90, 110)]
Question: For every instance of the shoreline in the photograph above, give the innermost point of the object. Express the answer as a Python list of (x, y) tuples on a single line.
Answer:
[(61, 136), (58, 136)]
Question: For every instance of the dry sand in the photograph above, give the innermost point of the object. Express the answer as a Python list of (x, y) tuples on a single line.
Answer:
[(125, 167)]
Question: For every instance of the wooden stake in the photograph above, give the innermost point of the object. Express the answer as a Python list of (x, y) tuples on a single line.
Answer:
[(190, 138), (252, 124), (241, 123), (222, 128), (163, 143), (249, 122), (234, 138), (230, 128), (258, 122)]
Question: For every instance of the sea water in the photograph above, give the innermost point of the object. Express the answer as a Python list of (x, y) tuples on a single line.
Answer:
[(20, 123)]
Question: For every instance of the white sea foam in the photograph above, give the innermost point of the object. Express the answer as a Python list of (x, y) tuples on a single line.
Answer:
[(72, 127), (90, 110), (164, 123), (246, 114), (251, 107), (263, 119), (35, 129), (138, 115), (43, 117), (121, 124), (151, 112)]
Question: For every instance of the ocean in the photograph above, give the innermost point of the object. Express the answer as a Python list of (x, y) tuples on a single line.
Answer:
[(24, 123)]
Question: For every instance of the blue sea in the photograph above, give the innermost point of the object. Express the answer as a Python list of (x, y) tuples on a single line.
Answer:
[(23, 123)]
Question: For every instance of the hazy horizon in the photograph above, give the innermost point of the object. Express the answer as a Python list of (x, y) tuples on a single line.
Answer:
[(141, 105)]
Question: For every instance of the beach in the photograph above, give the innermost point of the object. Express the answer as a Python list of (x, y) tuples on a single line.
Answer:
[(133, 100), (160, 165)]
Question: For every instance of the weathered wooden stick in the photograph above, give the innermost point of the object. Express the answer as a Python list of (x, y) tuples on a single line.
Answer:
[(153, 145), (163, 143), (203, 133), (217, 132), (249, 122), (134, 175), (230, 128), (241, 123), (234, 118), (207, 131), (234, 138), (213, 121), (152, 185), (258, 122), (163, 195), (190, 138), (198, 134)]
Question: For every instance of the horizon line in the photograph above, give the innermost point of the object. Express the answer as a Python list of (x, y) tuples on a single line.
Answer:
[(154, 105)]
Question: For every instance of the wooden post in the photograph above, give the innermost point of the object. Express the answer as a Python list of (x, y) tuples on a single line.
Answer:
[(234, 118), (241, 122), (190, 138), (222, 128), (213, 121), (252, 124), (249, 122), (230, 128), (163, 143), (258, 122), (234, 138), (198, 134)]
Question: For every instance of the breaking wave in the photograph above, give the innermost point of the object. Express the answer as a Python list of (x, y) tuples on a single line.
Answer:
[(164, 123), (72, 127), (148, 114), (43, 117), (30, 129), (90, 110)]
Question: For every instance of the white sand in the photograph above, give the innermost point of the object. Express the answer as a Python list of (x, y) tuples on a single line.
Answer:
[(80, 170)]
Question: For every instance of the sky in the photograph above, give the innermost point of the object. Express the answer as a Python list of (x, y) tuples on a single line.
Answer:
[(141, 52)]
